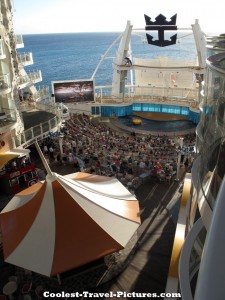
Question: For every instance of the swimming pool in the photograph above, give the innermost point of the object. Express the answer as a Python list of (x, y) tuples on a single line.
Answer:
[(160, 126)]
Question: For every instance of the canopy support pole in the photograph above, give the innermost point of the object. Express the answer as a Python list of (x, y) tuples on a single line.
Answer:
[(43, 159)]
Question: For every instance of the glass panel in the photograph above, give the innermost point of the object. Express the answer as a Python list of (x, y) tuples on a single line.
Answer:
[(213, 121), (195, 258)]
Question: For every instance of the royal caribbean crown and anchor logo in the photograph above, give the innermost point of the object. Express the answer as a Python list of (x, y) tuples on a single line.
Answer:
[(161, 25)]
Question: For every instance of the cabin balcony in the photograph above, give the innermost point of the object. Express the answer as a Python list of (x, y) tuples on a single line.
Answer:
[(29, 79), (19, 41), (42, 94), (8, 120), (2, 49), (5, 85), (35, 76), (25, 59)]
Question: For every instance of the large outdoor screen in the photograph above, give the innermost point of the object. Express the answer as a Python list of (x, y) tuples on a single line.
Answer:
[(73, 91)]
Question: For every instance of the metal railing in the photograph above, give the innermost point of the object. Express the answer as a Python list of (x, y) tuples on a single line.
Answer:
[(37, 132), (153, 100), (35, 76), (4, 82), (19, 41), (103, 94), (25, 58), (43, 92), (7, 117), (32, 76)]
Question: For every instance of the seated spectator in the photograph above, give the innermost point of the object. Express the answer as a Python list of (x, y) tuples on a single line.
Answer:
[(14, 165), (142, 166), (114, 168), (70, 157), (45, 149), (58, 158), (129, 169), (64, 157), (76, 165), (23, 161), (129, 160)]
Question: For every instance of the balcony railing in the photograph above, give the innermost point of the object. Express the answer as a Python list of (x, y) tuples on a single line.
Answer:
[(25, 59), (31, 77), (37, 132), (19, 41), (35, 76), (5, 84), (23, 80), (43, 92), (2, 49), (7, 118)]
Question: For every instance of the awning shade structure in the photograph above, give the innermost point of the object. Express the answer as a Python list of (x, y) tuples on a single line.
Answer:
[(67, 221), (7, 156)]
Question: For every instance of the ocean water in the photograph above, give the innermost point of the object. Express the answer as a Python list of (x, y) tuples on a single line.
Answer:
[(74, 56)]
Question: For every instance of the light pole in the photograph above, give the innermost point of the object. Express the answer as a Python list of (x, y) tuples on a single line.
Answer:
[(179, 158)]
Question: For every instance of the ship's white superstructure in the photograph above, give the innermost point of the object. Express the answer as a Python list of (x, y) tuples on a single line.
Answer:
[(18, 92)]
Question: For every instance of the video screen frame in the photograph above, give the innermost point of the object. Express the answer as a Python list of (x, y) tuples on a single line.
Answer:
[(78, 91)]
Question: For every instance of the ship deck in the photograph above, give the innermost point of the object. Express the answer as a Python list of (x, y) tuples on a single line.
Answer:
[(35, 117)]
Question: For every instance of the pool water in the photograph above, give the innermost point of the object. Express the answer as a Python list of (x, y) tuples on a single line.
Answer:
[(160, 126)]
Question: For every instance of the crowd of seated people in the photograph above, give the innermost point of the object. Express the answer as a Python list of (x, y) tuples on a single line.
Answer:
[(16, 164), (97, 149)]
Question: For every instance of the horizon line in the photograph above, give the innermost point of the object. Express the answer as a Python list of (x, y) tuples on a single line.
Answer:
[(70, 32)]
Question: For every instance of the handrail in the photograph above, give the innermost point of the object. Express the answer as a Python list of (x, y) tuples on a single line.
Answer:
[(132, 92), (184, 264), (24, 58), (193, 69), (172, 280), (31, 76), (37, 132), (155, 100)]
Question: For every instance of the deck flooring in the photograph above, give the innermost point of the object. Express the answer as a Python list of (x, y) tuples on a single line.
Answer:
[(148, 266)]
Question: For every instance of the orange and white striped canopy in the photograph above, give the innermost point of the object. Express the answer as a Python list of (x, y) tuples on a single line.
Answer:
[(67, 221)]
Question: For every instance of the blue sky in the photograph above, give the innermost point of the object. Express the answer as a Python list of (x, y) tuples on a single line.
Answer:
[(54, 16)]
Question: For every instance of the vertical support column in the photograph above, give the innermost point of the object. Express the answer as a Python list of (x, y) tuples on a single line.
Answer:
[(179, 159), (32, 132), (118, 83), (200, 44), (61, 144)]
